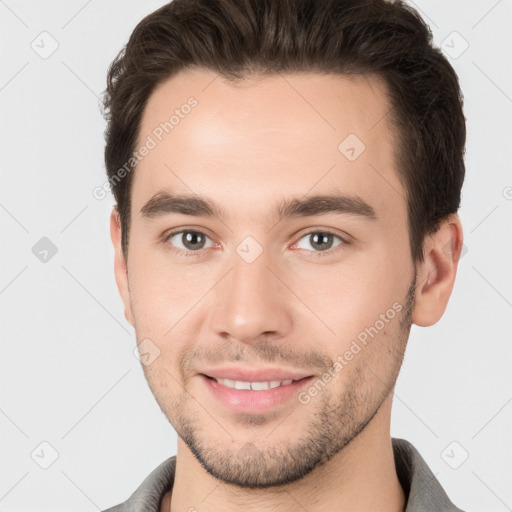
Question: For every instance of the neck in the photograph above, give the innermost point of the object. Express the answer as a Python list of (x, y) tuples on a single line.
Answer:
[(361, 477)]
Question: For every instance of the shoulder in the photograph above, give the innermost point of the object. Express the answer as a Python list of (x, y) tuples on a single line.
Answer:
[(148, 496), (423, 490)]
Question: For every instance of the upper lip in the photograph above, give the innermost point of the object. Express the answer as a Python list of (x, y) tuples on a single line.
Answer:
[(254, 374)]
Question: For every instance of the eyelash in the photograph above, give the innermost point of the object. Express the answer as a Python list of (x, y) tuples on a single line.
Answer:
[(316, 254)]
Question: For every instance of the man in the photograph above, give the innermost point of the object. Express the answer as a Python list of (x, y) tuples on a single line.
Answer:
[(287, 176)]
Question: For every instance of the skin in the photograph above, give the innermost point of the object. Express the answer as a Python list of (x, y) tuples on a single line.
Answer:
[(248, 147)]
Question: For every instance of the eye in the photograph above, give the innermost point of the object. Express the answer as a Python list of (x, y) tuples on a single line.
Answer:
[(320, 241), (190, 240)]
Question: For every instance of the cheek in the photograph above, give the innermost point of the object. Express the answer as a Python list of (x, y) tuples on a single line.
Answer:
[(161, 293), (351, 296), (166, 302)]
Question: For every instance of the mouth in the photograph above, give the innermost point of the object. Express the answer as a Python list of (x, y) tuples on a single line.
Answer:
[(254, 397), (253, 385)]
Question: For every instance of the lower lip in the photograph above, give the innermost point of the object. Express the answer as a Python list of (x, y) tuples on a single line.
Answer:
[(255, 402)]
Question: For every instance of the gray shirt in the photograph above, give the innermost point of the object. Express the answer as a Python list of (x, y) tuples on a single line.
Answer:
[(423, 491)]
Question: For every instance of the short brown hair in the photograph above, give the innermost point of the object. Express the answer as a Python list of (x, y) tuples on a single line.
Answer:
[(236, 38)]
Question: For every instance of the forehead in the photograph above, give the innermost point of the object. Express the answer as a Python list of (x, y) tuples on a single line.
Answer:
[(265, 136)]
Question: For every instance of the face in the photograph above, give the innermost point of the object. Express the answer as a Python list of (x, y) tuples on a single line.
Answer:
[(269, 236)]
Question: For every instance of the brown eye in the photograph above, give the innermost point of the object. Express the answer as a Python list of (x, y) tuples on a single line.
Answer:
[(320, 241), (188, 240)]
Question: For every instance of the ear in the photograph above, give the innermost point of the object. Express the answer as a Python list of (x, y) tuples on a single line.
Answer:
[(120, 267), (436, 274)]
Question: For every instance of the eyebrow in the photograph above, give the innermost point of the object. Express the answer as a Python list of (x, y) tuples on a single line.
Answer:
[(164, 203)]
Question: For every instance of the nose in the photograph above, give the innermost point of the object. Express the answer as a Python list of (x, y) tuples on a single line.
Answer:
[(251, 303)]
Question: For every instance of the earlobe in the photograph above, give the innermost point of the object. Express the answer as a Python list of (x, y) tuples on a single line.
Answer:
[(120, 267), (436, 274)]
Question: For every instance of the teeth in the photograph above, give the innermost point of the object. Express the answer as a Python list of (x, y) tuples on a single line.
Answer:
[(242, 385), (255, 386), (259, 386)]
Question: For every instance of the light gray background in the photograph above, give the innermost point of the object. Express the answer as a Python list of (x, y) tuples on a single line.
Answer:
[(68, 373)]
